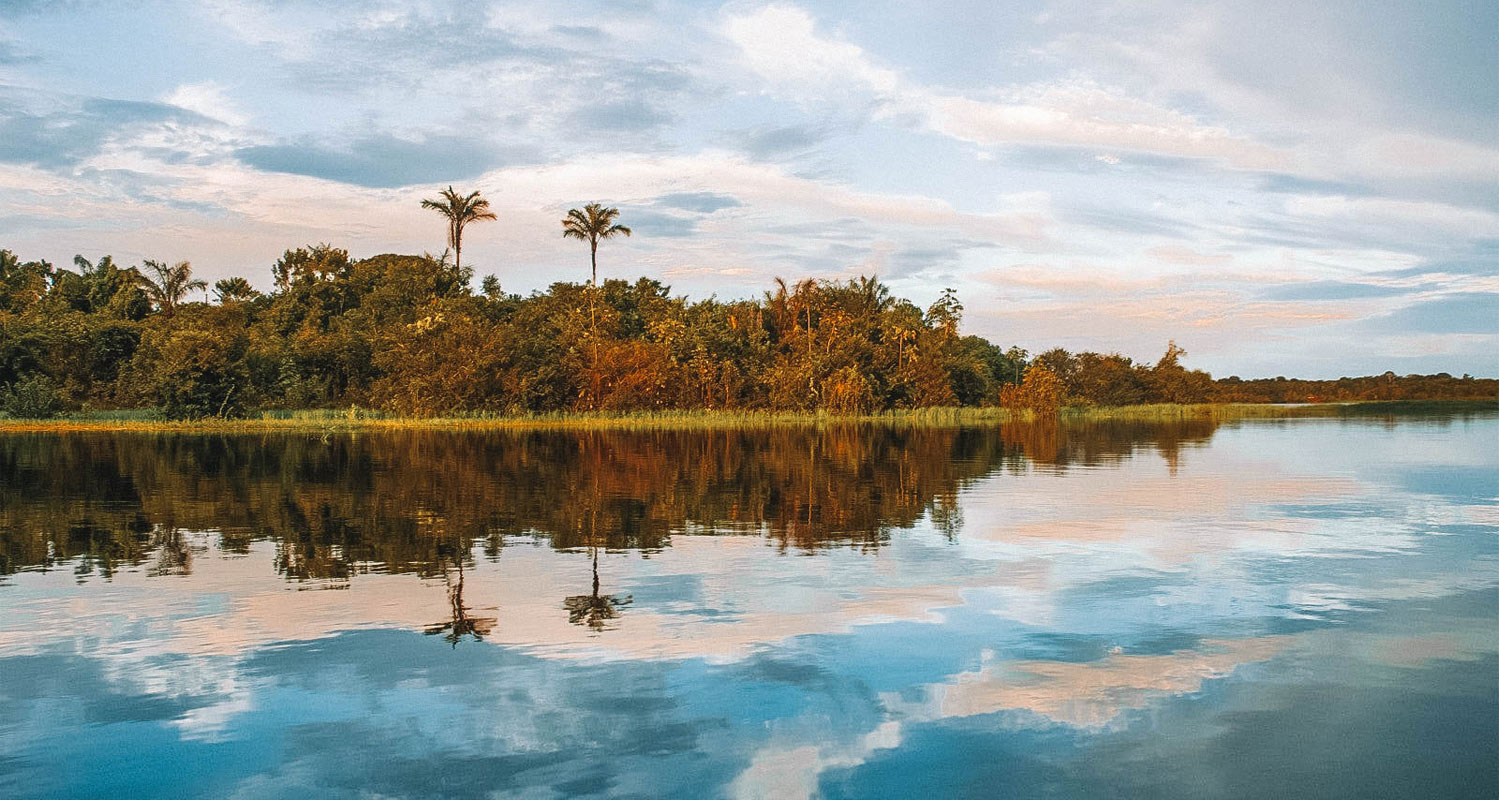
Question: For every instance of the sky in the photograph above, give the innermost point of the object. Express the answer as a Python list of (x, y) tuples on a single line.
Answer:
[(1284, 188)]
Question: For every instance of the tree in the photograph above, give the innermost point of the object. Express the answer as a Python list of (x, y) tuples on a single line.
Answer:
[(194, 366), (490, 287), (1172, 383), (590, 224), (946, 313), (167, 286), (234, 290), (108, 289), (22, 283), (1040, 392), (319, 263), (460, 211)]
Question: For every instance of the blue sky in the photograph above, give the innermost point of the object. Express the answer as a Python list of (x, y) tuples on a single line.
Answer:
[(1284, 188)]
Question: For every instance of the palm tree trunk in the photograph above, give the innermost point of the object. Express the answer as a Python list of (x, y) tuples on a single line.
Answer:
[(594, 262), (594, 338)]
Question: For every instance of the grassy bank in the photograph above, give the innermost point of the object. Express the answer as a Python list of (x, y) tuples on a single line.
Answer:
[(337, 420)]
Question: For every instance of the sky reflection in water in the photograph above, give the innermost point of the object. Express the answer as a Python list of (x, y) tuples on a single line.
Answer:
[(1302, 607)]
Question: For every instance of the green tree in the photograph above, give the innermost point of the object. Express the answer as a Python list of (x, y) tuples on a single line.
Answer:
[(194, 365), (490, 287), (590, 224), (319, 263), (22, 283), (946, 313), (460, 210), (234, 290), (167, 286)]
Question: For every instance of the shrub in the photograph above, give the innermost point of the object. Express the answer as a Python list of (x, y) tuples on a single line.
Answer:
[(33, 397)]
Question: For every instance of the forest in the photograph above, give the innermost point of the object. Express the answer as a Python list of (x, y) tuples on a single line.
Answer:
[(409, 335)]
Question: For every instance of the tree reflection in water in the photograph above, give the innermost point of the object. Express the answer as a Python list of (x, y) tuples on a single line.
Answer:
[(461, 624), (595, 610), (425, 502)]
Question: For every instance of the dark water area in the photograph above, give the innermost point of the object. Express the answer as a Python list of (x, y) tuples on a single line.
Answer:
[(1267, 608)]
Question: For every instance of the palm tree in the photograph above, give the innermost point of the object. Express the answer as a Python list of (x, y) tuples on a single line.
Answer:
[(166, 286), (806, 293), (590, 224), (779, 304), (460, 211)]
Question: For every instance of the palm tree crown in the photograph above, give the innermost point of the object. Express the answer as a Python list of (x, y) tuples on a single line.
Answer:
[(166, 286), (590, 224), (460, 211)]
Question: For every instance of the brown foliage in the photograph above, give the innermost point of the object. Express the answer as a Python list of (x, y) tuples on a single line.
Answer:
[(1040, 392)]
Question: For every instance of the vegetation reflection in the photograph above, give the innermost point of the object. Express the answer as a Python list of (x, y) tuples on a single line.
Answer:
[(423, 502)]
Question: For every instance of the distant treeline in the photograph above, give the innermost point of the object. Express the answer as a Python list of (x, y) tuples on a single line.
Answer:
[(408, 335)]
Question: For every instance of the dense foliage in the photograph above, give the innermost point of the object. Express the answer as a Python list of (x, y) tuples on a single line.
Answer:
[(408, 335)]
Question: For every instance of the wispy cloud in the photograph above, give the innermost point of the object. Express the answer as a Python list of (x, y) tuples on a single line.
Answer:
[(782, 45)]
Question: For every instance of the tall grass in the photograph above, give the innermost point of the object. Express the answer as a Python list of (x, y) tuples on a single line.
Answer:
[(356, 419)]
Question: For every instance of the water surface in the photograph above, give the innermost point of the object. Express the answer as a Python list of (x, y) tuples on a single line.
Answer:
[(1274, 608)]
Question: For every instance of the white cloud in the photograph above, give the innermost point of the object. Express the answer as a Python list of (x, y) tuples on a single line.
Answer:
[(1405, 155), (1385, 211), (780, 44), (209, 99)]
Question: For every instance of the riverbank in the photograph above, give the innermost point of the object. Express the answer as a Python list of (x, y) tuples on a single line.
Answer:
[(338, 420)]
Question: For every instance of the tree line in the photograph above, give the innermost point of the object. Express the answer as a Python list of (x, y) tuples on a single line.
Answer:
[(409, 335)]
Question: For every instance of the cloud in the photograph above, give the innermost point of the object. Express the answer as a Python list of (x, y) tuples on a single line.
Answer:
[(778, 141), (207, 99), (1380, 211), (647, 223), (781, 45), (1089, 161), (1282, 183), (698, 202), (62, 132), (1472, 312), (1122, 220), (21, 8), (382, 161), (1176, 254), (619, 116), (13, 52), (1334, 290)]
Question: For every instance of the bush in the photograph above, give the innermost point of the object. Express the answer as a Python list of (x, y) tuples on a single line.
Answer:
[(33, 397), (194, 371)]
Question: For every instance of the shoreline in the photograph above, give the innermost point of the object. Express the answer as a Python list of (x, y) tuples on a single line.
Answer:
[(359, 420)]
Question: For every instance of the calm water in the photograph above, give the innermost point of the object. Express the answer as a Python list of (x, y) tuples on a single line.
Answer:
[(1300, 608)]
